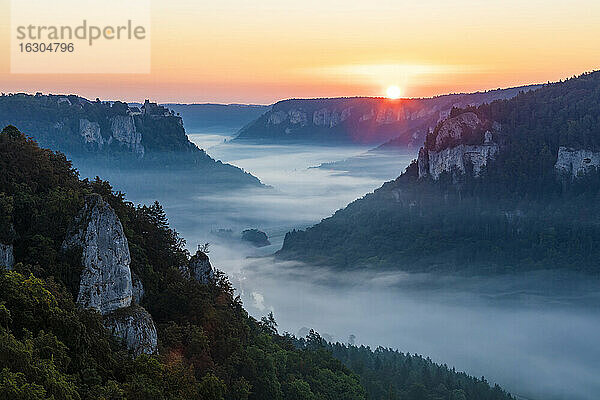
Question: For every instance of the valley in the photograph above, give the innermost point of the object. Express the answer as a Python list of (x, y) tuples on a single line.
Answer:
[(519, 323), (507, 325), (282, 200)]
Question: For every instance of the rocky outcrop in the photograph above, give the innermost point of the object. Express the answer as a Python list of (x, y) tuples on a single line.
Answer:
[(198, 268), (137, 288), (90, 132), (7, 258), (133, 325), (298, 117), (573, 164), (116, 137), (277, 117), (106, 283), (123, 131), (294, 117), (389, 116), (453, 130), (461, 144), (331, 118), (77, 126), (456, 159)]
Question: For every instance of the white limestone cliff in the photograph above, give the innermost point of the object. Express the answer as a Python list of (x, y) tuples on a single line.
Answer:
[(298, 117), (388, 116), (448, 154), (198, 268), (90, 131), (456, 159), (134, 326), (330, 118), (277, 117), (453, 128), (573, 164), (106, 283), (123, 130)]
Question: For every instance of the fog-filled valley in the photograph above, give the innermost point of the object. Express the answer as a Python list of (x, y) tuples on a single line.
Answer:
[(300, 200), (534, 334)]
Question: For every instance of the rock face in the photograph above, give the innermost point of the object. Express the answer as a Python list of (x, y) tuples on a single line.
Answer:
[(79, 127), (7, 258), (123, 131), (456, 159), (453, 130), (329, 118), (198, 268), (459, 144), (137, 288), (133, 325), (90, 131), (106, 283), (573, 164)]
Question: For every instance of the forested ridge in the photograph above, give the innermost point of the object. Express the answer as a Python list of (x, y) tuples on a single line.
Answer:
[(113, 138), (517, 215), (534, 125), (389, 374), (55, 122), (209, 347)]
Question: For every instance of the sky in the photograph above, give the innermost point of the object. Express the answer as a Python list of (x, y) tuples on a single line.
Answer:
[(240, 51)]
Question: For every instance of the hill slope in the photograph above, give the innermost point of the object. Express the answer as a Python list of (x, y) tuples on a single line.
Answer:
[(506, 186)]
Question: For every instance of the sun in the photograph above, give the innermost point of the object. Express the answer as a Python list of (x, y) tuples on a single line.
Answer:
[(393, 92)]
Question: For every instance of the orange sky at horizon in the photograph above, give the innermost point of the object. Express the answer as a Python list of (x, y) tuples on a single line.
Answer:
[(237, 51)]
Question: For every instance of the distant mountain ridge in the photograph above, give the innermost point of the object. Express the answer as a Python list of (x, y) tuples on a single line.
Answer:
[(221, 118), (113, 134), (227, 117), (363, 120)]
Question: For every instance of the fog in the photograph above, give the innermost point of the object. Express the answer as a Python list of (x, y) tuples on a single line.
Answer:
[(536, 334), (537, 340)]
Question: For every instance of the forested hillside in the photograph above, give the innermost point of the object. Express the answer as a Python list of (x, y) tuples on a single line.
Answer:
[(531, 205), (389, 374), (208, 346), (115, 138)]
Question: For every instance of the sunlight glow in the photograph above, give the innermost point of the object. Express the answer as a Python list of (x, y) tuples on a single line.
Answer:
[(393, 92)]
